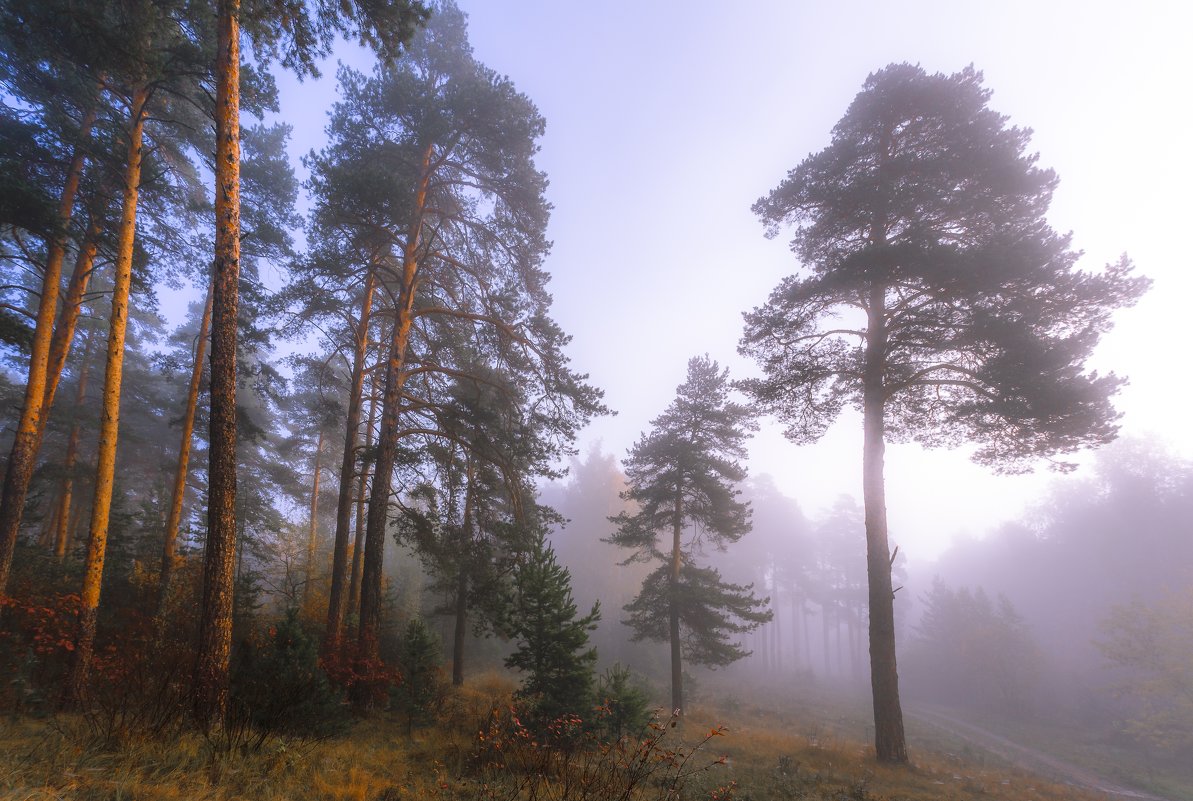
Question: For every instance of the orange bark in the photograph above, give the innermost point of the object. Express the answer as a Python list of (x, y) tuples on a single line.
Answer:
[(173, 521), (25, 444), (336, 604), (110, 417), (62, 535)]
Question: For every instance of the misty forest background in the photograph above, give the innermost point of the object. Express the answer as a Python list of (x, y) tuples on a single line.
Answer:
[(346, 595)]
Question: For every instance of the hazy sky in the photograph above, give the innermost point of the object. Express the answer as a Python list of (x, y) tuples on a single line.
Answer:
[(666, 120)]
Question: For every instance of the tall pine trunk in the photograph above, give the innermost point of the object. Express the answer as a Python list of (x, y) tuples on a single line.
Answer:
[(210, 685), (178, 493), (337, 597), (313, 532), (66, 497), (105, 470), (68, 318), (673, 611), (387, 438), (30, 424), (890, 744), (358, 541)]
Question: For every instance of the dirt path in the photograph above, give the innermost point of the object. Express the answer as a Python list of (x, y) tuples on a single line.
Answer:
[(1026, 758)]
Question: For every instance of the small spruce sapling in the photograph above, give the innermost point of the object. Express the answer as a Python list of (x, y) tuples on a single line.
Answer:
[(418, 657), (552, 640)]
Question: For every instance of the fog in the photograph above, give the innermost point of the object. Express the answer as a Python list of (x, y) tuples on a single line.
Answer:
[(1037, 521)]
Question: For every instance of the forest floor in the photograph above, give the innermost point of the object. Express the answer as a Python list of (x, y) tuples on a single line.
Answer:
[(1025, 756), (767, 751)]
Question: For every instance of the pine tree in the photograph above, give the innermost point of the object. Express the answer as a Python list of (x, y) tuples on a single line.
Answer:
[(937, 301), (552, 641), (682, 476), (418, 659)]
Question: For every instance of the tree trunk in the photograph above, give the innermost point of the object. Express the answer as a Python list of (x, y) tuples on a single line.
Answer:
[(361, 497), (68, 318), (460, 634), (105, 470), (219, 558), (33, 410), (673, 612), (312, 536), (336, 602), (174, 520), (889, 742), (62, 535), (387, 439)]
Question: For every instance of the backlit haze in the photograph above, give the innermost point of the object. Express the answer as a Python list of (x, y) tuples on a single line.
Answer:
[(667, 120)]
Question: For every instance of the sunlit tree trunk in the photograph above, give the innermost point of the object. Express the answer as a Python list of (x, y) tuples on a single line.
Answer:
[(105, 470), (68, 318), (337, 597), (66, 498), (313, 532), (210, 686), (889, 742), (673, 612), (182, 469), (387, 439), (361, 499), (33, 409)]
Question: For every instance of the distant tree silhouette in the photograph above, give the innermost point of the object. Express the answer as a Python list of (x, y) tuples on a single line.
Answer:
[(937, 300)]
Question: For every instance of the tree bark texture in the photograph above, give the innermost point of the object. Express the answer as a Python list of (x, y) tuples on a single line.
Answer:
[(387, 439), (210, 686), (337, 596), (33, 410), (890, 744), (178, 492), (109, 426)]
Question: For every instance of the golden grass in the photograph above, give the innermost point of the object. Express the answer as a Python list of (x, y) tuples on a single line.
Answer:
[(771, 754)]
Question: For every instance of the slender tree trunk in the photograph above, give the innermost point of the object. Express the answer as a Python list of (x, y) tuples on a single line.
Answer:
[(33, 410), (889, 742), (46, 538), (336, 602), (461, 631), (174, 518), (105, 470), (62, 535), (824, 639), (68, 318), (219, 558), (312, 536), (387, 439), (361, 498), (796, 657), (673, 611), (460, 634)]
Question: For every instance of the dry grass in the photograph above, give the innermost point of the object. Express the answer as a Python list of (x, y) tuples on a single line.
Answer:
[(771, 754)]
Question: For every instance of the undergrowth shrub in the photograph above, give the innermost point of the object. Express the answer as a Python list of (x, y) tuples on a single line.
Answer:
[(514, 762), (625, 706), (278, 685)]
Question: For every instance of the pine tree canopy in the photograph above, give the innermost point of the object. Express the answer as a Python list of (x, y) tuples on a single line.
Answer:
[(923, 241)]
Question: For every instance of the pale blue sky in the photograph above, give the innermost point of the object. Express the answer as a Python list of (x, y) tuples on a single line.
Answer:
[(666, 120)]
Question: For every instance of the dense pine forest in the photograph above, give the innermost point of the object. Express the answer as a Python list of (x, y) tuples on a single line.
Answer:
[(298, 501)]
